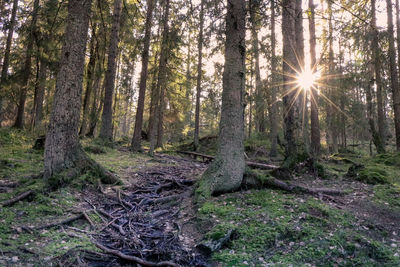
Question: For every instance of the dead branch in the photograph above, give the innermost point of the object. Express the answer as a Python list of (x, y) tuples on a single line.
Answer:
[(135, 259), (17, 198), (66, 221)]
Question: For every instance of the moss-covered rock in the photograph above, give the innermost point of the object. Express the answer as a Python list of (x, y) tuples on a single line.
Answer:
[(369, 174)]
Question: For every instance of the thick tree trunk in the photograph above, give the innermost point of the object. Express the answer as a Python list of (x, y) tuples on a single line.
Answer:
[(155, 124), (199, 76), (137, 137), (273, 103), (315, 132), (62, 149), (89, 82), (6, 59), (393, 73), (37, 123), (106, 131), (259, 93), (289, 60), (225, 173)]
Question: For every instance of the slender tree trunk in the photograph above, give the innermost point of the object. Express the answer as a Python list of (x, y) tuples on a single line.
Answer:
[(137, 134), (225, 173), (6, 59), (250, 98), (89, 82), (62, 149), (19, 121), (378, 80), (106, 131), (199, 77), (393, 73), (273, 103), (289, 60), (315, 132), (259, 93), (156, 124), (37, 124)]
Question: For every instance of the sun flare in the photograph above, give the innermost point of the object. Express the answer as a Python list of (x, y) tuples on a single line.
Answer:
[(307, 79)]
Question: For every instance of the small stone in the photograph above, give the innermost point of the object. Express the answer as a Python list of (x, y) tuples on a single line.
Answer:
[(14, 259), (291, 243), (245, 263), (393, 245)]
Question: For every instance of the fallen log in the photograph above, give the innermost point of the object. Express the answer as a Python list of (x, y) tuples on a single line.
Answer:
[(17, 198), (251, 164), (135, 259)]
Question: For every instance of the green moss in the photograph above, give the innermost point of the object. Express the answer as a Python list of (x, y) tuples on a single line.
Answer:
[(389, 195), (374, 175)]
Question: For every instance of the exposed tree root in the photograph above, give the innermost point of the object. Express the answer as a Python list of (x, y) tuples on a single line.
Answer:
[(17, 198), (253, 180), (66, 221), (135, 259)]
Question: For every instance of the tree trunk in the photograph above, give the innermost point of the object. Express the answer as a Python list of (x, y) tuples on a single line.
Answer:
[(259, 94), (155, 124), (6, 60), (199, 76), (273, 103), (315, 132), (106, 131), (89, 83), (37, 124), (289, 60), (136, 144), (380, 138), (225, 173), (62, 149), (19, 121), (393, 73)]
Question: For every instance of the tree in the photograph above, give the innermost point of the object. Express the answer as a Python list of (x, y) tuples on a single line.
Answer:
[(273, 104), (393, 73), (225, 173), (19, 121), (137, 137), (315, 132), (6, 59), (106, 131), (289, 61), (199, 76)]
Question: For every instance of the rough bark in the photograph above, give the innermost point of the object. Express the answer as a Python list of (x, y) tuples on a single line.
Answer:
[(393, 73), (315, 132), (89, 82), (6, 59), (273, 91), (63, 154), (106, 131), (259, 93), (289, 60), (155, 124), (199, 77), (137, 137), (225, 173)]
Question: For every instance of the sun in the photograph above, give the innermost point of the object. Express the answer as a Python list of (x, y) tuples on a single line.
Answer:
[(306, 79)]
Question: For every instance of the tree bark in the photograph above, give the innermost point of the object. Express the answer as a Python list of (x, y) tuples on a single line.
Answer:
[(199, 77), (19, 121), (6, 59), (156, 123), (106, 131), (289, 60), (136, 144), (89, 82), (37, 124), (225, 173), (62, 149), (273, 103), (260, 96), (393, 73), (315, 132)]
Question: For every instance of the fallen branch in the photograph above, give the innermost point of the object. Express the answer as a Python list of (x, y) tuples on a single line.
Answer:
[(135, 259), (17, 198), (10, 184), (66, 221), (251, 164)]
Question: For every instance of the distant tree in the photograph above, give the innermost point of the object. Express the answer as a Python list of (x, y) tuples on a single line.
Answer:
[(273, 114)]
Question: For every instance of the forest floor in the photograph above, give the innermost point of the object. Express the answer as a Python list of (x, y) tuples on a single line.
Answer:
[(153, 216)]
